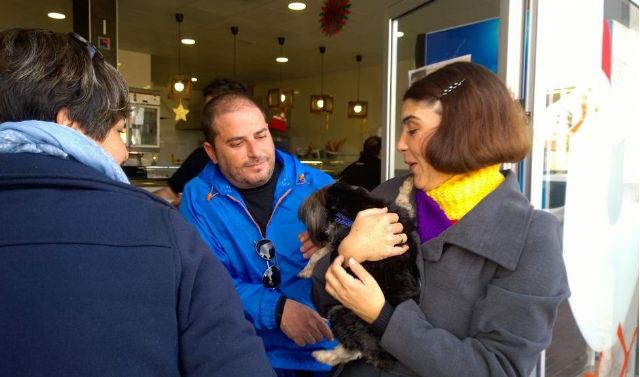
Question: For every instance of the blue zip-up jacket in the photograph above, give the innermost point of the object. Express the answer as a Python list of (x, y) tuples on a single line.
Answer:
[(219, 213)]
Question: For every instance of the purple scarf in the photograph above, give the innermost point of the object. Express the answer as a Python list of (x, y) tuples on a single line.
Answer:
[(431, 218)]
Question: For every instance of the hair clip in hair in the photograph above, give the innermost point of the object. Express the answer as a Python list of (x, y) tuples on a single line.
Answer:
[(451, 88)]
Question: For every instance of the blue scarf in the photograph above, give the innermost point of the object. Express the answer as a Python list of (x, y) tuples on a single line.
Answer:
[(33, 136)]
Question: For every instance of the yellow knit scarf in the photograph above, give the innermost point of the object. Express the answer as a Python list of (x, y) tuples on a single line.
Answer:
[(459, 194)]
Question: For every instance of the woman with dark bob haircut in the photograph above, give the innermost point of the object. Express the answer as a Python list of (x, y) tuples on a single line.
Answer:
[(491, 269), (98, 277)]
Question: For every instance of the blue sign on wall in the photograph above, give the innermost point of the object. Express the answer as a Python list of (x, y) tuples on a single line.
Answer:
[(478, 39)]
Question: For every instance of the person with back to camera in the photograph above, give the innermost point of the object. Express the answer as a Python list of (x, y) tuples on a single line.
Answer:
[(366, 171), (244, 204), (98, 277), (196, 161), (492, 273)]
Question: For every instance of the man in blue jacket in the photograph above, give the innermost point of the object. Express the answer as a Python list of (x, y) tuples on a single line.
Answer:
[(244, 204)]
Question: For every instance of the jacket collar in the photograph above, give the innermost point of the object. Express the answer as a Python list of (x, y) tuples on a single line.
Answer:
[(39, 170), (493, 229), (292, 173)]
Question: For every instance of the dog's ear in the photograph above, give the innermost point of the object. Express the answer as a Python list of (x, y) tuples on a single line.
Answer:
[(313, 214)]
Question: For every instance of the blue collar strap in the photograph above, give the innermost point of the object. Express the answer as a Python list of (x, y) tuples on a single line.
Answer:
[(344, 220)]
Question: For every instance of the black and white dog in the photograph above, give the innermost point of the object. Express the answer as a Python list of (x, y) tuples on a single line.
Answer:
[(328, 215)]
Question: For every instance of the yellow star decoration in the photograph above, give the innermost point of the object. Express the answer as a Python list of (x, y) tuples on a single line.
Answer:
[(181, 112)]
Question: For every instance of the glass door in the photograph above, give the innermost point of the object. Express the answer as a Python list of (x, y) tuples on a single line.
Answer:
[(584, 168), (424, 33)]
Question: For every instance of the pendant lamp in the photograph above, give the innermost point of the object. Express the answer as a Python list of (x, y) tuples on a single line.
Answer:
[(179, 84), (280, 98), (234, 32), (357, 108), (321, 103)]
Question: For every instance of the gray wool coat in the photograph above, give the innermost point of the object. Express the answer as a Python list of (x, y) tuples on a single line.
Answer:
[(491, 287)]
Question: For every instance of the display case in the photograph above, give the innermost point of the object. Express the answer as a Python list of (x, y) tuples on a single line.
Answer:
[(143, 125)]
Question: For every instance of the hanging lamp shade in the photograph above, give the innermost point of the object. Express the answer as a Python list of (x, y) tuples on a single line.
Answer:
[(357, 108), (321, 103), (234, 32), (280, 98), (179, 84)]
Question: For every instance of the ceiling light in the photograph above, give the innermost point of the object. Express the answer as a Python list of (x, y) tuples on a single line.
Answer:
[(188, 41), (56, 15), (399, 34), (279, 98), (179, 84), (234, 32), (282, 59), (194, 79), (357, 108), (321, 103), (297, 5)]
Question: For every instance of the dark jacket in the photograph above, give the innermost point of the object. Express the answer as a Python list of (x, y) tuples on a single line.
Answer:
[(365, 172), (189, 169), (491, 287), (99, 278)]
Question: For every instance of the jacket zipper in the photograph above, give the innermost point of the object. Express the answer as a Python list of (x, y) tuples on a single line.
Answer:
[(251, 217)]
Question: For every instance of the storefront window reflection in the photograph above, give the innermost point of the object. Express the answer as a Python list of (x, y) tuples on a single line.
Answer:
[(586, 132)]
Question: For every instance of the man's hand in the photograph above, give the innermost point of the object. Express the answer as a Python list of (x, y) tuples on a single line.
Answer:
[(302, 324), (308, 248), (169, 195)]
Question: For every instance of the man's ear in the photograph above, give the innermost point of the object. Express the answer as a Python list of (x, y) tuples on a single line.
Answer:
[(62, 118), (211, 152)]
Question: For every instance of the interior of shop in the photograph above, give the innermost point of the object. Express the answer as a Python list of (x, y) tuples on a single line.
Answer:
[(238, 40), (241, 40)]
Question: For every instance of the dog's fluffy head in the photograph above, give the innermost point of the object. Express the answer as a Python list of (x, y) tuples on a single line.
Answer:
[(321, 211)]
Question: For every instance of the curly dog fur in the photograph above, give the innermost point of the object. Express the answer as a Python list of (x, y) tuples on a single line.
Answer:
[(327, 214)]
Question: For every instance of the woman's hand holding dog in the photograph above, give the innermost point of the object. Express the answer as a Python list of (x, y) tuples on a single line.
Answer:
[(375, 235), (361, 294), (302, 324)]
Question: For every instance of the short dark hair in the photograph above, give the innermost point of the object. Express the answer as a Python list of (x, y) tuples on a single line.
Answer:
[(223, 103), (223, 85), (482, 124), (372, 146), (43, 72)]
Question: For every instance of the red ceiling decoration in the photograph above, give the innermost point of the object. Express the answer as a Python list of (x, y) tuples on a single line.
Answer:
[(334, 16)]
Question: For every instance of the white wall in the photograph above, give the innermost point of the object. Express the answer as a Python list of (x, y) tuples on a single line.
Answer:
[(135, 67), (173, 141)]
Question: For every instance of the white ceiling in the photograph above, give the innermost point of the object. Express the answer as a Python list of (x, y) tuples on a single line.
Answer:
[(260, 23), (149, 26)]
